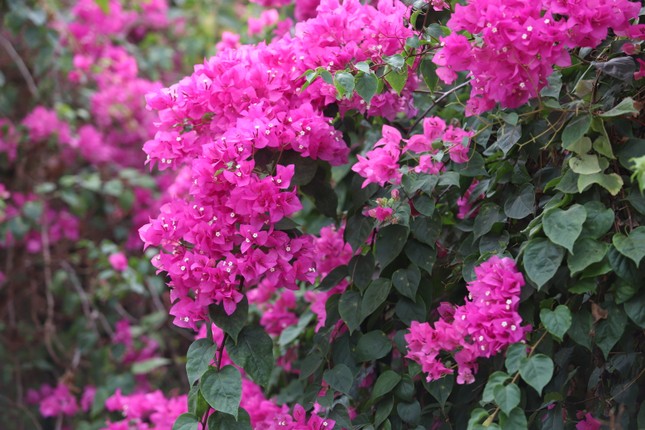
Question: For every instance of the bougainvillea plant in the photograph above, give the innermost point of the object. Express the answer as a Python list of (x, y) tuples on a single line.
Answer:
[(378, 215)]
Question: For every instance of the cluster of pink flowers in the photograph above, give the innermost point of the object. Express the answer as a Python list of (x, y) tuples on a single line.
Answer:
[(587, 421), (267, 19), (264, 413), (221, 237), (465, 203), (518, 42), (331, 251), (382, 164), (121, 122), (59, 401), (486, 324), (59, 224), (304, 9), (146, 348), (145, 411)]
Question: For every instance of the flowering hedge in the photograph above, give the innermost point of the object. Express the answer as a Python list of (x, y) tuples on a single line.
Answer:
[(390, 215)]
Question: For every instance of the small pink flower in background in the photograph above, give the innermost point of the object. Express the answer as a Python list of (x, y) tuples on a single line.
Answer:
[(640, 74), (118, 261), (267, 19), (52, 401), (88, 398), (588, 423), (629, 48), (380, 213), (465, 203), (229, 41)]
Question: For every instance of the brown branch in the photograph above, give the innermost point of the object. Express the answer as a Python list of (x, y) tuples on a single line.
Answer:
[(22, 67)]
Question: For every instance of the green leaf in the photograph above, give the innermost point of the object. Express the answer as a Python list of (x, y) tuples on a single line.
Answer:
[(625, 107), (602, 146), (507, 137), (477, 415), (564, 227), (186, 422), (489, 215), (372, 346), (611, 182), (428, 71), (406, 281), (200, 354), (222, 421), (424, 205), (575, 130), (635, 310), (339, 378), (197, 405), (632, 246), (621, 68), (554, 86), (599, 220), (585, 164), (557, 321), (516, 420), (361, 269), (383, 410), (495, 379), (585, 253), (147, 366), (253, 353), (584, 286), (366, 86), (441, 388), (541, 260), (230, 324), (537, 371), (426, 230), (344, 83), (292, 332), (363, 66), (374, 297), (385, 384), (409, 412), (357, 230), (397, 79), (390, 241), (610, 330), (349, 308), (421, 255), (333, 278), (222, 390), (514, 355), (396, 61), (520, 204), (580, 147), (580, 330), (104, 5), (507, 397)]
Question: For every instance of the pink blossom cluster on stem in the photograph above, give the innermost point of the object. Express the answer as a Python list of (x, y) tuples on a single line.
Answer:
[(484, 326), (221, 237), (382, 164), (514, 45)]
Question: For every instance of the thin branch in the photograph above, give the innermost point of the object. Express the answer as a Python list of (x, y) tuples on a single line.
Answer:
[(436, 102), (22, 67), (85, 301)]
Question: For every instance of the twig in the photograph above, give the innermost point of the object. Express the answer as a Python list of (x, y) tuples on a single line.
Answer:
[(24, 409), (22, 67), (436, 102), (85, 302), (49, 322)]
